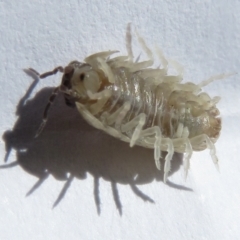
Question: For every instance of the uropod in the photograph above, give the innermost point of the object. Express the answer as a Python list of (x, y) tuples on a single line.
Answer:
[(140, 104)]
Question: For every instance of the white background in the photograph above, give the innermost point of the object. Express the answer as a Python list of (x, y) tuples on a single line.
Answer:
[(107, 177)]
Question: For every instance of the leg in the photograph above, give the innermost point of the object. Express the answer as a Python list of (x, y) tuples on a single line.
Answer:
[(181, 139), (187, 156), (92, 120), (129, 42), (137, 122), (183, 145), (178, 67), (168, 158), (146, 49), (196, 141), (103, 55), (162, 59), (157, 143), (165, 63), (117, 116), (145, 64), (118, 61), (45, 114), (99, 60), (179, 131), (93, 59), (102, 64), (213, 78), (99, 95)]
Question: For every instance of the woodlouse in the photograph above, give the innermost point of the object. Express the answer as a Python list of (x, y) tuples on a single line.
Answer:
[(142, 105)]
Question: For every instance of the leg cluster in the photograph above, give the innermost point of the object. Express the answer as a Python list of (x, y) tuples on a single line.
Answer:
[(181, 140)]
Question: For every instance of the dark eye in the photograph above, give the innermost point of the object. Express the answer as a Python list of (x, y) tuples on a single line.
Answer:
[(82, 76)]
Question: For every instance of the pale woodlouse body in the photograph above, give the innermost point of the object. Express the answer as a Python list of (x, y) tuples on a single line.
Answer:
[(142, 105)]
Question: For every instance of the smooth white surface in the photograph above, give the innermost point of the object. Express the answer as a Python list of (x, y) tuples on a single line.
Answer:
[(203, 36)]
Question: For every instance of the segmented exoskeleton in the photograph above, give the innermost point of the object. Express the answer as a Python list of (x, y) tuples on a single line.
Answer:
[(141, 105)]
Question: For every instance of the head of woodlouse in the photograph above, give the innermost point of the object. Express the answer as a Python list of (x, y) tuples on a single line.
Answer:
[(81, 78)]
